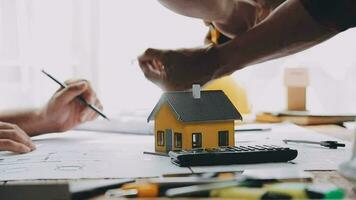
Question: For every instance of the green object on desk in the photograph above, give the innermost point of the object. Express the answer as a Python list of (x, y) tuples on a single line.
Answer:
[(243, 189), (307, 191), (329, 193), (248, 193)]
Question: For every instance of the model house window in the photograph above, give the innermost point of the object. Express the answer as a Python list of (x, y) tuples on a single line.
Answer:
[(223, 138), (160, 138), (177, 140), (196, 140)]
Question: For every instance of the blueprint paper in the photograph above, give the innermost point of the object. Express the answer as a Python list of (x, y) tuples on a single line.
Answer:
[(78, 154)]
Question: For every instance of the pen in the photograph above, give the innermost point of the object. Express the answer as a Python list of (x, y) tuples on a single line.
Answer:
[(156, 187), (253, 129), (81, 99), (328, 144)]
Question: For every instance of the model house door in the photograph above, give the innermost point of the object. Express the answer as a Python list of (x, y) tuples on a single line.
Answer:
[(169, 140)]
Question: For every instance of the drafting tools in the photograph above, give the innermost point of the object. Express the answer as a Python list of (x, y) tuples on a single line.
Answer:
[(233, 155), (328, 144), (200, 190), (239, 190), (156, 187), (85, 190), (81, 99), (282, 191)]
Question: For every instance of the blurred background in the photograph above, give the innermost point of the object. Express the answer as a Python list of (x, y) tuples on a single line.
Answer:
[(100, 40)]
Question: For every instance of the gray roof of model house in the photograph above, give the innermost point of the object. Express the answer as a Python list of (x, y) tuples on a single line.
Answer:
[(211, 106)]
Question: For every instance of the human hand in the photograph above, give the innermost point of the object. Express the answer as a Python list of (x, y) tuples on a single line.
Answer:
[(179, 69), (13, 138), (64, 111)]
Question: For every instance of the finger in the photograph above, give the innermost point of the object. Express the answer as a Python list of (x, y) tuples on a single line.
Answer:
[(89, 95), (150, 71), (150, 54), (207, 23), (26, 137), (158, 65), (73, 81), (92, 116), (10, 145), (154, 72), (85, 114), (143, 66), (95, 115), (71, 92), (18, 136), (12, 131), (5, 125), (68, 82)]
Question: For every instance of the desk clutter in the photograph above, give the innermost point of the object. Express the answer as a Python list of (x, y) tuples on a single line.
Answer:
[(229, 185), (281, 183), (304, 117)]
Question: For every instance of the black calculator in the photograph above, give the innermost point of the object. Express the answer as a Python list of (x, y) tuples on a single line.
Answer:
[(232, 155)]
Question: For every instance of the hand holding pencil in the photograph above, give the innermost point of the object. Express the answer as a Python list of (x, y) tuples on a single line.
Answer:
[(75, 103)]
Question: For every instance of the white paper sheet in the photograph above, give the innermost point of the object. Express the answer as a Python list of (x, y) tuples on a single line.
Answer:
[(310, 157), (78, 154), (123, 122)]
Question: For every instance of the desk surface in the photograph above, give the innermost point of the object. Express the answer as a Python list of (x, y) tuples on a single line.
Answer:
[(320, 176)]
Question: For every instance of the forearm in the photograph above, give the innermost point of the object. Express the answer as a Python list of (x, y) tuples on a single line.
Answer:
[(289, 29), (209, 10), (31, 121)]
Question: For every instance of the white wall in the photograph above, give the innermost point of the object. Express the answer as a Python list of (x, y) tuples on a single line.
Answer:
[(332, 67)]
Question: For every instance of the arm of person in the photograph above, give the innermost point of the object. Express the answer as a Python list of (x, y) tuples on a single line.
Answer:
[(287, 30), (62, 112)]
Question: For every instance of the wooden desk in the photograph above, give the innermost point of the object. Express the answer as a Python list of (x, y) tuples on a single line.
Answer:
[(320, 176), (333, 176)]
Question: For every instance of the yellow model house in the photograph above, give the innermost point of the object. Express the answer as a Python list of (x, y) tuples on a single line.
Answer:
[(197, 119)]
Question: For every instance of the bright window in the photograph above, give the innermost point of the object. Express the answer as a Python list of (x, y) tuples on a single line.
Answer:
[(197, 140), (160, 138), (178, 140)]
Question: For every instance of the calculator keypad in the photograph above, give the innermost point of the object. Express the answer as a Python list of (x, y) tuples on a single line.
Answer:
[(233, 155)]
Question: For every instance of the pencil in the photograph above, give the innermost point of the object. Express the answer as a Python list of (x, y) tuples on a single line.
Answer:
[(80, 98)]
